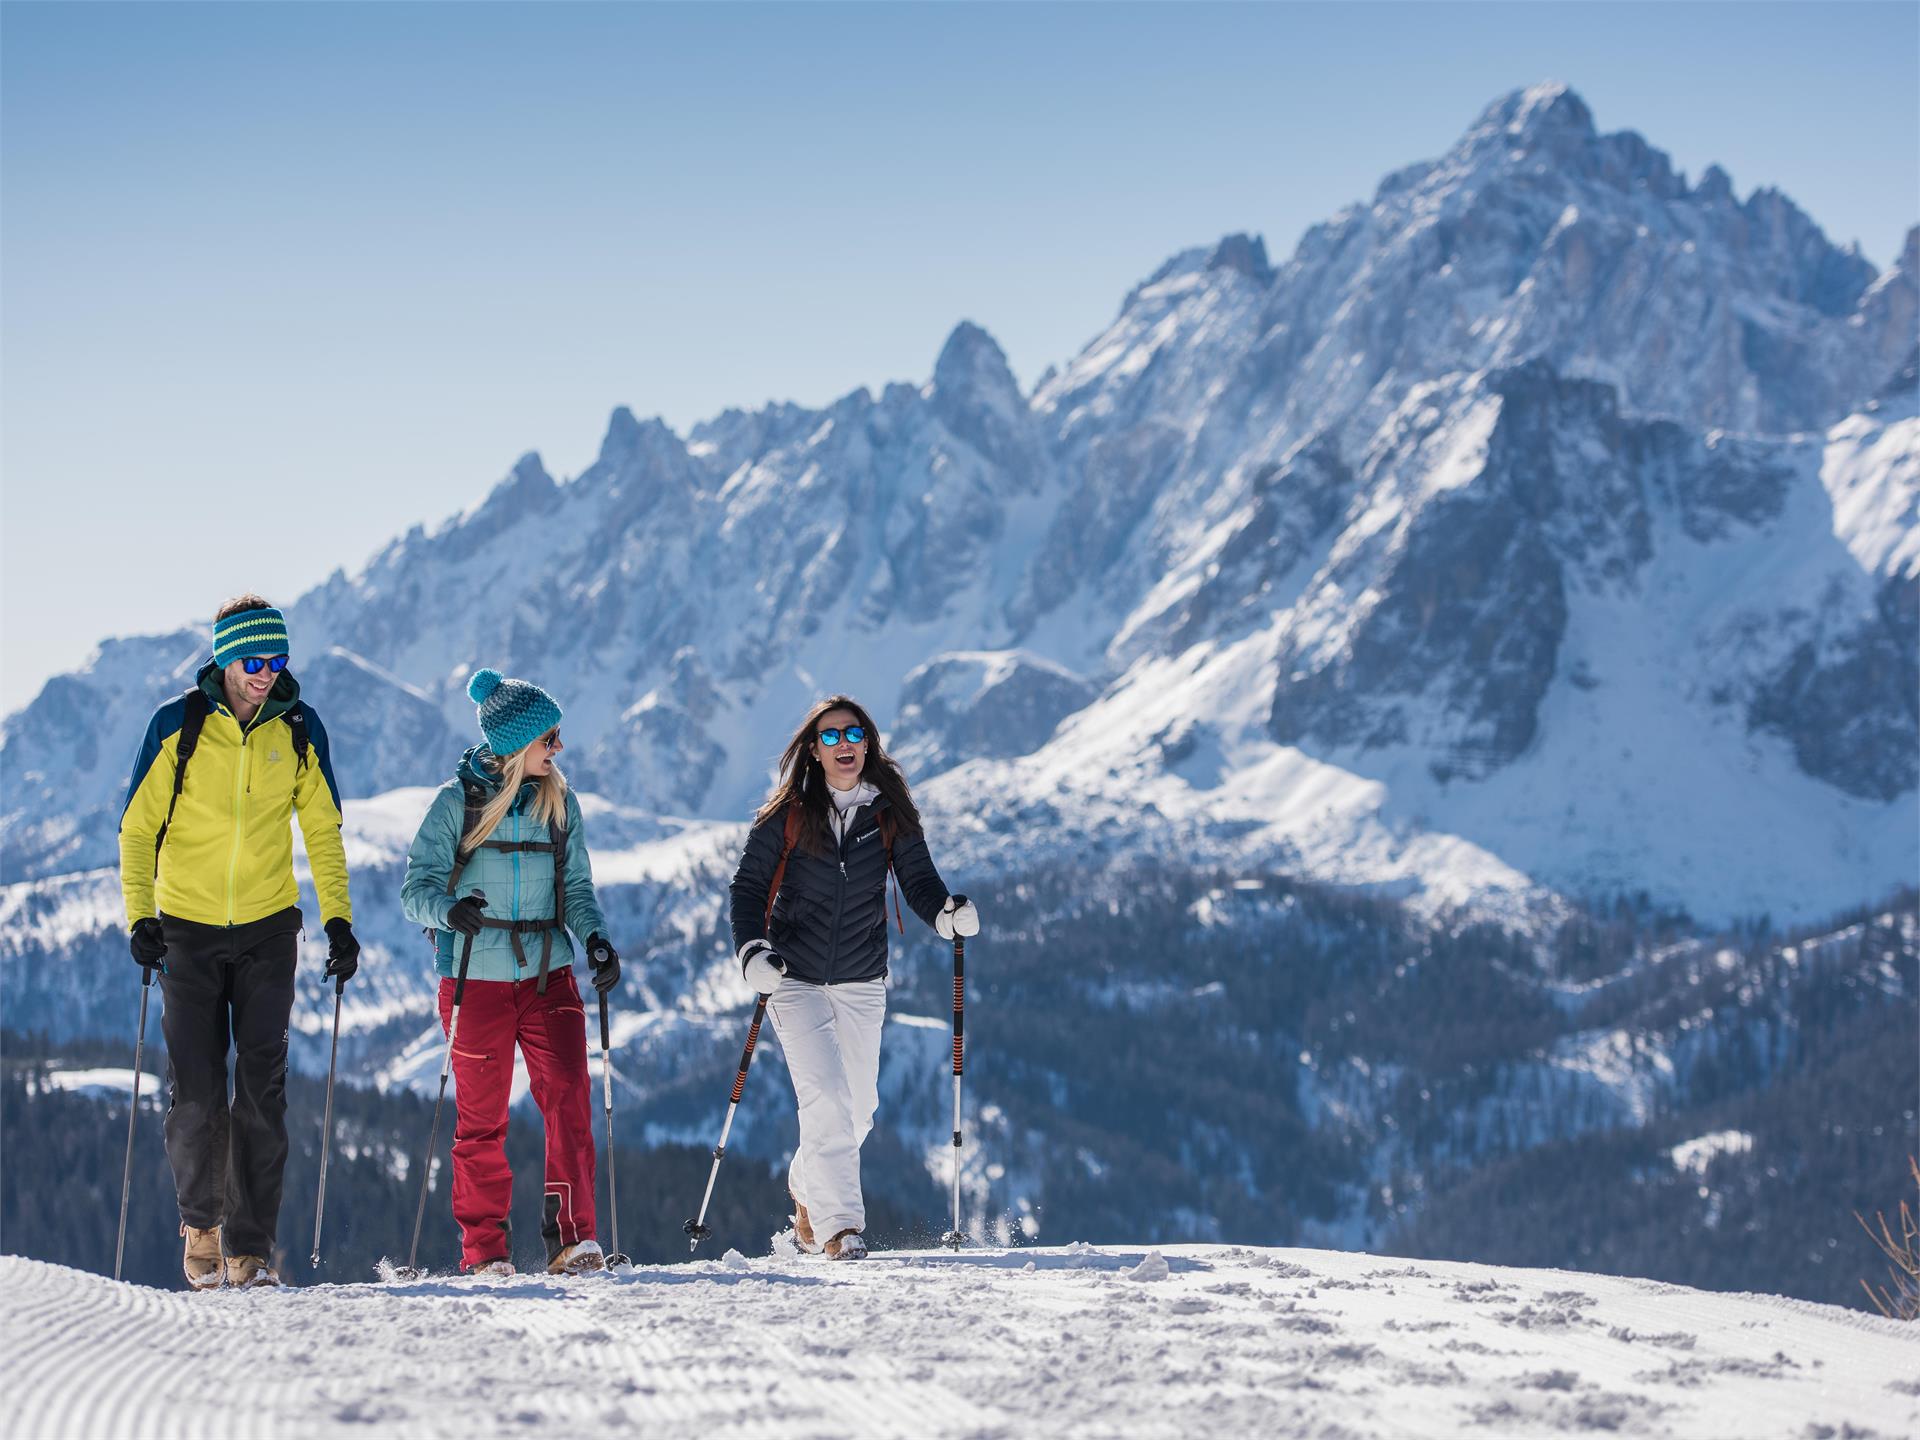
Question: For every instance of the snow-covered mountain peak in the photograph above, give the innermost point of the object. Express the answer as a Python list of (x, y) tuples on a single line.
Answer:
[(1546, 114)]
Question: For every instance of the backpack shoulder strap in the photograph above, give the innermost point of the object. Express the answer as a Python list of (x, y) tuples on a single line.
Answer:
[(191, 721), (470, 816), (789, 837), (297, 723)]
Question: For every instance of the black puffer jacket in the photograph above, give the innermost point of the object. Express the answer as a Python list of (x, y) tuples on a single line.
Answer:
[(830, 920)]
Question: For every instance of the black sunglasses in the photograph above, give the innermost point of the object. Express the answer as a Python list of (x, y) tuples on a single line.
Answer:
[(854, 734), (254, 664)]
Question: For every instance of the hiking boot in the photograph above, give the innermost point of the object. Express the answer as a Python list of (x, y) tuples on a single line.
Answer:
[(500, 1268), (581, 1259), (847, 1245), (202, 1260), (248, 1270), (803, 1228)]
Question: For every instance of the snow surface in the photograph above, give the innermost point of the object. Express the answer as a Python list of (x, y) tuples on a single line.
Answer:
[(1073, 1341)]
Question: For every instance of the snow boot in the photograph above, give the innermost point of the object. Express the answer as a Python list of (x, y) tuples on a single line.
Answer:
[(498, 1269), (803, 1228), (581, 1259), (202, 1258), (847, 1245), (250, 1270)]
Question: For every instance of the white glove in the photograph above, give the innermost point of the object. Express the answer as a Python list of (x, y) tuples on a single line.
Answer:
[(764, 970), (957, 917)]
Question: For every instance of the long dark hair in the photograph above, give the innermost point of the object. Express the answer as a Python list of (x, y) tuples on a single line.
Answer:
[(803, 779)]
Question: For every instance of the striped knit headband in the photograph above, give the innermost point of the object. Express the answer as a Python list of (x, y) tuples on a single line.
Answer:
[(249, 632)]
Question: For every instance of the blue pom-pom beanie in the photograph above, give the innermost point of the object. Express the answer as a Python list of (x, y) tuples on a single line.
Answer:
[(260, 631), (513, 713)]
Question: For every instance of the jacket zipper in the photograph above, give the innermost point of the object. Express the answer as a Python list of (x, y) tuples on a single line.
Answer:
[(839, 904), (239, 803)]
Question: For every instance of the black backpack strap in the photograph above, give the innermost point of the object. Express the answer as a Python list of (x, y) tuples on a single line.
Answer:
[(193, 718), (297, 723), (469, 817)]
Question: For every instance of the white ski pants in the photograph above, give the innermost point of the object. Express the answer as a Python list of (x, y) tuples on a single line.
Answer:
[(830, 1035)]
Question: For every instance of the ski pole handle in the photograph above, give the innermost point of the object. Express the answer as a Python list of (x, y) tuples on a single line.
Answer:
[(466, 954), (606, 1035), (746, 1056)]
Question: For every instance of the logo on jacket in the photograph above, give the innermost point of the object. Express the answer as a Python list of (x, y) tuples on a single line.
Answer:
[(862, 839), (272, 755)]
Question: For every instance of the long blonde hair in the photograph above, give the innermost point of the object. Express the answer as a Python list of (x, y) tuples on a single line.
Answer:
[(549, 802)]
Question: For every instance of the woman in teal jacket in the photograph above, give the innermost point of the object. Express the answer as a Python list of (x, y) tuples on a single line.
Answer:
[(481, 872)]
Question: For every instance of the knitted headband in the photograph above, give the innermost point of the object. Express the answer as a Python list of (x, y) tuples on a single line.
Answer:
[(249, 632)]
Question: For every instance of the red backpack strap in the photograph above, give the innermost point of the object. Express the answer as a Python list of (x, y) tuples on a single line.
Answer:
[(886, 838), (789, 837)]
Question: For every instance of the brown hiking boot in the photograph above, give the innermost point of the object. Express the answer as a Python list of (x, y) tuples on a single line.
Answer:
[(803, 1228), (581, 1259), (246, 1270), (847, 1245), (202, 1259)]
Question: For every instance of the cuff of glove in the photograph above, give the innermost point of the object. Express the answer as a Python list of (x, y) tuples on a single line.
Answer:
[(763, 949)]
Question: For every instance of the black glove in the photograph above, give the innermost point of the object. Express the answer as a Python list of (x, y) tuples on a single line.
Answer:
[(343, 951), (466, 913), (604, 961), (148, 943)]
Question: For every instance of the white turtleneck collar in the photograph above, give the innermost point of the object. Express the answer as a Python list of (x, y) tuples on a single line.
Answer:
[(845, 802)]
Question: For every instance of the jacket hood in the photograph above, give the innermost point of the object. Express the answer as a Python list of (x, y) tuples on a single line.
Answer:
[(282, 698), (473, 771)]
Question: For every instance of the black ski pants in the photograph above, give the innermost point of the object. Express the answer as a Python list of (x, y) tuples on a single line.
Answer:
[(229, 987)]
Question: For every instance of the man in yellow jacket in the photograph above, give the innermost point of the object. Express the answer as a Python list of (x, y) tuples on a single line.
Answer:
[(206, 866)]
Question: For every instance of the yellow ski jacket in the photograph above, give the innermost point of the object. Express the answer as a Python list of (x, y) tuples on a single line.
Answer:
[(227, 857)]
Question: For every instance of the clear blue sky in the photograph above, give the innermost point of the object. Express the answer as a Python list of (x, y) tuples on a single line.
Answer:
[(278, 281)]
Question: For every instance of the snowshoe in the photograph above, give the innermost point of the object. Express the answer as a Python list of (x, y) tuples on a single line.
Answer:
[(581, 1259), (493, 1269), (202, 1263)]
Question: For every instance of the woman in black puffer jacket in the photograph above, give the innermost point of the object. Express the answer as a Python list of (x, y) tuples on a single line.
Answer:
[(809, 910)]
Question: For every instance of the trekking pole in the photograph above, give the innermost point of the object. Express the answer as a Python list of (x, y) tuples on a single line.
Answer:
[(697, 1228), (412, 1272), (126, 1172), (326, 1124), (613, 1187), (953, 1239)]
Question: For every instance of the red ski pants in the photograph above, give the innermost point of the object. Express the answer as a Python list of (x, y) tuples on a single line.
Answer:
[(552, 1034)]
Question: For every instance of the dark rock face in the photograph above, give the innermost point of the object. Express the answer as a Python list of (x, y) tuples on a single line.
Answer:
[(1246, 254), (671, 730), (1000, 703), (1124, 474), (1847, 704), (1294, 505), (1455, 656)]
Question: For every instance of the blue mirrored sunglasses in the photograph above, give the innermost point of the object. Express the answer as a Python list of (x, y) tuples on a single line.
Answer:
[(254, 664), (854, 734)]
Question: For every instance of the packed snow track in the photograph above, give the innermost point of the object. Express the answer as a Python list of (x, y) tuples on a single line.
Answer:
[(1077, 1341)]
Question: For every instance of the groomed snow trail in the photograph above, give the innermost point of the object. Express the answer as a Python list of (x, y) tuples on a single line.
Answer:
[(1072, 1342)]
